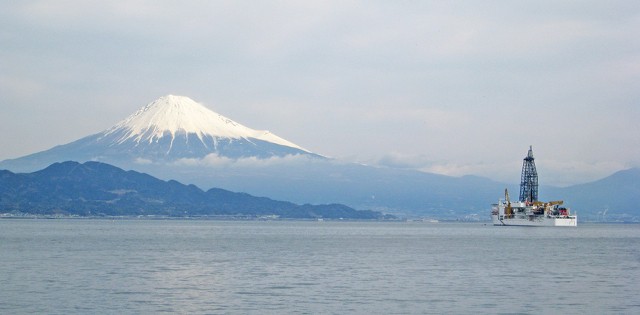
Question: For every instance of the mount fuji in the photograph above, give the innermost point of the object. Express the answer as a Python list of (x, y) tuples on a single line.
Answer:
[(171, 129), (175, 138)]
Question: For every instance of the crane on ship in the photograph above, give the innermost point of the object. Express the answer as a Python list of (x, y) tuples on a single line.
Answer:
[(508, 211)]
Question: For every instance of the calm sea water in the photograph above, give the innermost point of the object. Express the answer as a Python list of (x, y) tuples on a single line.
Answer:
[(214, 267)]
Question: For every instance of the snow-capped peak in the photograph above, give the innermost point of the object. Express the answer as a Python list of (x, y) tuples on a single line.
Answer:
[(171, 115)]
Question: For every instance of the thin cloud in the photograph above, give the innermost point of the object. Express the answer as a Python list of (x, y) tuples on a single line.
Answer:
[(214, 160)]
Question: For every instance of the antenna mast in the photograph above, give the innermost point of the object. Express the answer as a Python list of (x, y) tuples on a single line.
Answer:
[(529, 179)]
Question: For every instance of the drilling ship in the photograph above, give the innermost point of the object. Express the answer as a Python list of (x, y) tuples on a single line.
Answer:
[(528, 211)]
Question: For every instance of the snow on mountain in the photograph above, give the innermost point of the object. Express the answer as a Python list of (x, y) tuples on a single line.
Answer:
[(171, 115), (168, 130)]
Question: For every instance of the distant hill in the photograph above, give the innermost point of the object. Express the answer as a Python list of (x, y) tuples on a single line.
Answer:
[(618, 194), (97, 189)]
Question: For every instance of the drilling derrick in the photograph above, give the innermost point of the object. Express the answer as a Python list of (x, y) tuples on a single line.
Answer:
[(529, 179)]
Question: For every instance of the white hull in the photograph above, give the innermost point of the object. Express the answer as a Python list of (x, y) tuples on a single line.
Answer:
[(535, 221)]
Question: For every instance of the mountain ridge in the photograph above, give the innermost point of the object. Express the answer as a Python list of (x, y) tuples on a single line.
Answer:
[(99, 189), (618, 194)]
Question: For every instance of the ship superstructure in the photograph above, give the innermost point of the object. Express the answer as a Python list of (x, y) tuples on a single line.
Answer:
[(528, 211)]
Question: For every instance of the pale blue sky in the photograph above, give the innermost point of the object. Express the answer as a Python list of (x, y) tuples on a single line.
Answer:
[(454, 87)]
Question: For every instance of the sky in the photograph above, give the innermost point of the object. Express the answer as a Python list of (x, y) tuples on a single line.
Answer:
[(450, 87)]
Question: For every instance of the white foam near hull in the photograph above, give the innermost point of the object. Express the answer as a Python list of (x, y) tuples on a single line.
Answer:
[(535, 221)]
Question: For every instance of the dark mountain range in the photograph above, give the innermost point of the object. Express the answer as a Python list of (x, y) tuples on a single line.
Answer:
[(96, 189)]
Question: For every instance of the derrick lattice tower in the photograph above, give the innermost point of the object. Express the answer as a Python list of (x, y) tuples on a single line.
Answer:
[(529, 179)]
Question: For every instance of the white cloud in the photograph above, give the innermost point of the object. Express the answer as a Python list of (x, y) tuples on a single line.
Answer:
[(142, 161), (214, 160)]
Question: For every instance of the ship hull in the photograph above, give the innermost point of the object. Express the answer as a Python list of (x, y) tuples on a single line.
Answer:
[(534, 221)]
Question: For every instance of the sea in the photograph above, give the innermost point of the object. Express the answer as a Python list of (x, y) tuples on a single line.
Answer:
[(131, 266)]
